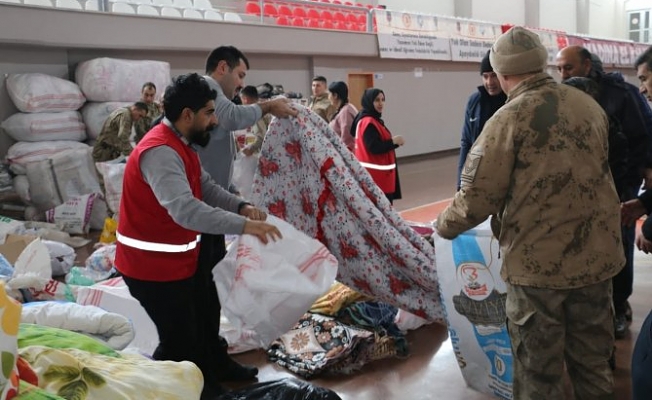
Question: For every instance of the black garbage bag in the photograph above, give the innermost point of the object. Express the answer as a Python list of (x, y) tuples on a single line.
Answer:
[(283, 389)]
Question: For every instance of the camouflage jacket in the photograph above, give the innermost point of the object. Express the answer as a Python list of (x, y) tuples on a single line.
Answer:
[(321, 105), (142, 125), (116, 132), (540, 167)]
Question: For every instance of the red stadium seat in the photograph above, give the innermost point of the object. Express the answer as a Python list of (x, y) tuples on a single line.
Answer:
[(252, 8), (269, 10), (314, 14), (326, 15), (299, 12), (313, 23), (284, 10), (338, 16), (298, 22), (283, 21), (327, 24)]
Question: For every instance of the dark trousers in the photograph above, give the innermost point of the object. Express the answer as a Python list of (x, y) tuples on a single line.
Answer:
[(642, 362), (187, 312), (623, 282)]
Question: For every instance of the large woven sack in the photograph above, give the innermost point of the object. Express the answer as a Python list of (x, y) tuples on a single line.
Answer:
[(95, 114), (24, 127), (22, 153), (111, 79), (34, 93), (63, 176)]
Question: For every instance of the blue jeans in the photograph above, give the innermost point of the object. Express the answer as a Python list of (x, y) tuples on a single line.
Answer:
[(642, 362)]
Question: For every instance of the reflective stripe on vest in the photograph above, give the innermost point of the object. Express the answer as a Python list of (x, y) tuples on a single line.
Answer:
[(162, 247), (378, 166)]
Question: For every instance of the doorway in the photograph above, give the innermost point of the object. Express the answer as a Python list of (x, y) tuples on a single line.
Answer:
[(358, 83)]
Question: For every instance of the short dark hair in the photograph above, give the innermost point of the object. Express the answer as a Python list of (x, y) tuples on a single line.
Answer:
[(186, 91), (148, 85), (230, 54), (587, 85), (250, 92), (320, 78), (645, 58), (141, 105), (584, 54)]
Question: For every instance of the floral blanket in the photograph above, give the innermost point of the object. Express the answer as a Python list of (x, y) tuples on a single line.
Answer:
[(308, 177)]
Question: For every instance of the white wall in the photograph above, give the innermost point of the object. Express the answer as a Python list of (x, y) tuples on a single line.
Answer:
[(441, 7), (606, 19), (500, 11), (558, 14), (638, 4)]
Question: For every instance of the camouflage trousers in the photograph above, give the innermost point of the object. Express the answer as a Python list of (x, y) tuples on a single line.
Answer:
[(103, 153), (548, 327)]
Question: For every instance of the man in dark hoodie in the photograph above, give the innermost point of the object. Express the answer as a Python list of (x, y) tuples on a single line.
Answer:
[(479, 108)]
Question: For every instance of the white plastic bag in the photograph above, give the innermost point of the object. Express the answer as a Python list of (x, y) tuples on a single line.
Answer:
[(62, 257), (34, 93), (267, 288), (102, 259), (24, 127), (8, 225), (244, 168)]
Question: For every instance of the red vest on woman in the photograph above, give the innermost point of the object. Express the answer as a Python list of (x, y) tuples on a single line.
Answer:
[(381, 167), (151, 246)]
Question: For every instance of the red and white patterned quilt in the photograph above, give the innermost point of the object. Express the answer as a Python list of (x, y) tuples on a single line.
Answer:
[(308, 177)]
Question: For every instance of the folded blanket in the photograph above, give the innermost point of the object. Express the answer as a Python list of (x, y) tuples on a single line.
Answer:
[(114, 329)]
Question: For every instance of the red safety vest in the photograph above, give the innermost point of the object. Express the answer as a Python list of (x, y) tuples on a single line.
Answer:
[(151, 246), (381, 167)]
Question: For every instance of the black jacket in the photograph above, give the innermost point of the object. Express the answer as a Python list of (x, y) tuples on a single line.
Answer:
[(480, 107)]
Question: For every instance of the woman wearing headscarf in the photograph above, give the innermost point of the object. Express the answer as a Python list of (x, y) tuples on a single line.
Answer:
[(374, 144), (342, 119)]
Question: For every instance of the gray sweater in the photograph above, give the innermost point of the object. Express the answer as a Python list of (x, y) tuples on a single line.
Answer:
[(217, 212), (217, 157)]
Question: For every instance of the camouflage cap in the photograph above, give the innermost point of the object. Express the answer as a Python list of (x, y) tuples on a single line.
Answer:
[(518, 51)]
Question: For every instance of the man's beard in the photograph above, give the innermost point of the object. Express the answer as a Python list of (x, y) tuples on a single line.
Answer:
[(200, 137)]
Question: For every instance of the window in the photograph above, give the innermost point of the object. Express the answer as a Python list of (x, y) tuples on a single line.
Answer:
[(638, 25)]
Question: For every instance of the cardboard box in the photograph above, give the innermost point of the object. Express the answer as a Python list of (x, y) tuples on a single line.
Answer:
[(14, 246)]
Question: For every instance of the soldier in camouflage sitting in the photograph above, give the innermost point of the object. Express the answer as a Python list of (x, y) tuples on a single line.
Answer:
[(540, 167), (113, 140)]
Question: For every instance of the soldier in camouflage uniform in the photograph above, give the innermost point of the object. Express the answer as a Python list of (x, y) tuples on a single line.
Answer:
[(540, 167), (148, 94), (113, 140)]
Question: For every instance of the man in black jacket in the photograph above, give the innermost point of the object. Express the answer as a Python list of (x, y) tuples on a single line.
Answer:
[(619, 104), (480, 107)]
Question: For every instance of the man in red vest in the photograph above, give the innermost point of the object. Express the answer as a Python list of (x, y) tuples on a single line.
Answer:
[(168, 200)]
